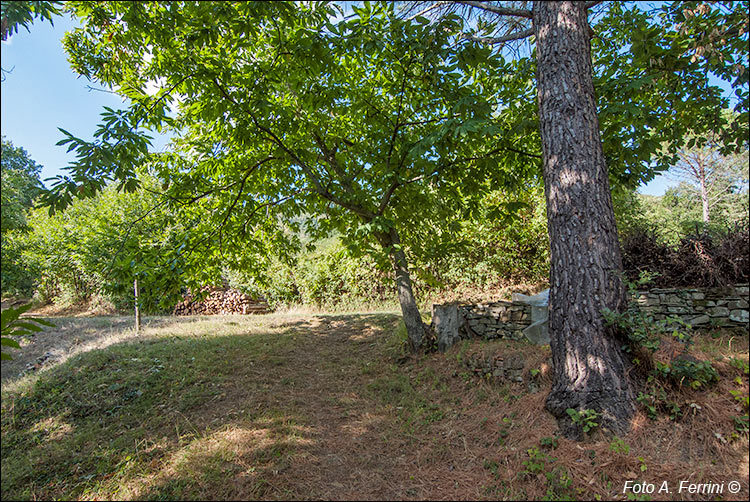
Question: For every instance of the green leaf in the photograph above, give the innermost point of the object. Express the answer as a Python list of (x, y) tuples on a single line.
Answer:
[(8, 342)]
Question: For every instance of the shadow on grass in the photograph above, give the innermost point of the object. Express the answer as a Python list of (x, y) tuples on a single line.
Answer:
[(188, 417)]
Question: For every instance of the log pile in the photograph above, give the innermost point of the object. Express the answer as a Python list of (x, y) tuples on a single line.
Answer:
[(219, 301)]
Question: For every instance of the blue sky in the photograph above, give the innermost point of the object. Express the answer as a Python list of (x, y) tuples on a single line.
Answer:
[(42, 93)]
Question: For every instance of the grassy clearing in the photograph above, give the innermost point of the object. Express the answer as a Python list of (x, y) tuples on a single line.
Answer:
[(326, 407)]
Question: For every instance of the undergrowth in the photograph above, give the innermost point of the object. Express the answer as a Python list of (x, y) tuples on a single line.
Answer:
[(662, 353)]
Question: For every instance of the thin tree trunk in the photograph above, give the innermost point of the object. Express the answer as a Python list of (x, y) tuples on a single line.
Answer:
[(409, 309), (704, 191), (137, 307), (585, 277)]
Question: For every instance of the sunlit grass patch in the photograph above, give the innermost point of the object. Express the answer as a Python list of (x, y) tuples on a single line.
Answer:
[(93, 414)]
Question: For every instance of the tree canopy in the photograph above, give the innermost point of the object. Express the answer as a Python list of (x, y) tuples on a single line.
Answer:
[(19, 178), (20, 184)]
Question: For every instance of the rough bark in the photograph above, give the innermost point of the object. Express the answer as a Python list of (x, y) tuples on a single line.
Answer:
[(585, 277), (409, 309)]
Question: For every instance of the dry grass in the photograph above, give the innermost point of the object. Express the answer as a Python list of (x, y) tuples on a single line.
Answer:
[(315, 406)]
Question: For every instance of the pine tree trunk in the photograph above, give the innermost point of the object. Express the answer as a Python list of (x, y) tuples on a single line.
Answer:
[(409, 309), (585, 277)]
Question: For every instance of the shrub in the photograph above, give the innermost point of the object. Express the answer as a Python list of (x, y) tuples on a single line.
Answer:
[(709, 257)]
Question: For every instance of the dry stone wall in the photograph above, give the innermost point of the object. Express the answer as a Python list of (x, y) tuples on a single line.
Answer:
[(452, 322), (496, 320), (702, 308)]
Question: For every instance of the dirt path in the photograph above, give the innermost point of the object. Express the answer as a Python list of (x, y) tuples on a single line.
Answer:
[(355, 452), (347, 426)]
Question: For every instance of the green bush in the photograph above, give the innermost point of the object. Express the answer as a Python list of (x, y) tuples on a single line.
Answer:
[(326, 277), (98, 246)]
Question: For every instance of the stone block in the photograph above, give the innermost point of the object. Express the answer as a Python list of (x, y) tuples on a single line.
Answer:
[(737, 304), (673, 299), (677, 310), (650, 310), (514, 335), (722, 322), (718, 312), (446, 320), (699, 321), (699, 296), (740, 315)]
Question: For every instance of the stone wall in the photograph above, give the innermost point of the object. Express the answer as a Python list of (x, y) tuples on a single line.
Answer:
[(702, 308), (497, 367), (452, 322)]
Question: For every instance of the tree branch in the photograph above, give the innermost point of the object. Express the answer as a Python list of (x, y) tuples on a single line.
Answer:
[(319, 188), (428, 9), (302, 164), (169, 92), (387, 197), (502, 11), (389, 193), (329, 155), (397, 125), (518, 35), (220, 228), (267, 205)]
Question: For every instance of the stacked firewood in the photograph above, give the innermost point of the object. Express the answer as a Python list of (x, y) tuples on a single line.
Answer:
[(218, 301)]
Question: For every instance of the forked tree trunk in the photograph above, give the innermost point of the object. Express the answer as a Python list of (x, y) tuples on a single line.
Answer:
[(585, 277), (409, 309)]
